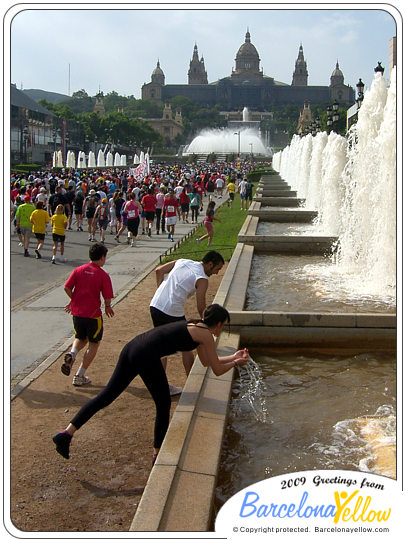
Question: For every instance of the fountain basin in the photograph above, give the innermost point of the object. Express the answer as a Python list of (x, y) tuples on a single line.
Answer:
[(268, 228), (281, 215), (282, 243), (289, 244), (327, 432)]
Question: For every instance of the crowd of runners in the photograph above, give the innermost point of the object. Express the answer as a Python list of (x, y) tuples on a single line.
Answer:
[(119, 203)]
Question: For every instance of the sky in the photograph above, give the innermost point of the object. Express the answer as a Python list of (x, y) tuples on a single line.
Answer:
[(64, 48)]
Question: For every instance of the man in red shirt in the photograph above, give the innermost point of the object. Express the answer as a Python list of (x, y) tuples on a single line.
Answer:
[(149, 205), (84, 287), (171, 210)]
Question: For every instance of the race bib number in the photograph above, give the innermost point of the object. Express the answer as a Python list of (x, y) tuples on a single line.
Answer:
[(170, 209), (131, 214)]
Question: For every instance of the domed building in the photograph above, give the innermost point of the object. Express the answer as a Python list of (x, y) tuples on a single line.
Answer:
[(247, 86), (247, 61)]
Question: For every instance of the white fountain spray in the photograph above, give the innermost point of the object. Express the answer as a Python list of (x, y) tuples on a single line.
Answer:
[(352, 184), (367, 241), (334, 159), (315, 172)]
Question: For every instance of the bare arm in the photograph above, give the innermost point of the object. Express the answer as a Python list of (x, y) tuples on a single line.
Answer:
[(162, 270), (208, 355), (201, 289), (69, 293)]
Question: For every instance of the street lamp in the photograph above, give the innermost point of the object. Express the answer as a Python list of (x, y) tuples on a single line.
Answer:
[(360, 93), (26, 137), (238, 134), (379, 69), (335, 109), (329, 121)]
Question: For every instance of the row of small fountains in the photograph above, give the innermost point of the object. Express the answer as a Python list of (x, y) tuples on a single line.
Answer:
[(84, 161)]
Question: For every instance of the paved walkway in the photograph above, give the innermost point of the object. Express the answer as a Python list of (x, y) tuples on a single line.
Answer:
[(40, 328)]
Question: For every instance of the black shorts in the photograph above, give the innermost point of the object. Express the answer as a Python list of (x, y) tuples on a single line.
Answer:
[(40, 236), (159, 318), (91, 329), (58, 238), (133, 225), (149, 216)]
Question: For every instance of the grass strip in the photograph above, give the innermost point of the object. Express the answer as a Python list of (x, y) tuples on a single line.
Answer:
[(225, 234)]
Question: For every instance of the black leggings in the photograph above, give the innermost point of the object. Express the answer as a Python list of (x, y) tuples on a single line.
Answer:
[(128, 367)]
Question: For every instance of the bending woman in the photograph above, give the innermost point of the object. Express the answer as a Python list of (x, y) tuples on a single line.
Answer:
[(141, 356)]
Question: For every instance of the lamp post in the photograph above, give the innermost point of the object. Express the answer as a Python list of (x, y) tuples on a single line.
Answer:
[(238, 134), (329, 121), (26, 136), (360, 93), (379, 69), (251, 151)]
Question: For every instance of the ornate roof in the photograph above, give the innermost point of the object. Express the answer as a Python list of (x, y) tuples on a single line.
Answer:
[(247, 49)]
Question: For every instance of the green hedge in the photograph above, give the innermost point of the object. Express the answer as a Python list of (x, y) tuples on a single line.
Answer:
[(26, 168), (257, 173)]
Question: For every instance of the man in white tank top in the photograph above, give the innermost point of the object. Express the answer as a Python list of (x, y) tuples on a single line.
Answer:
[(184, 277)]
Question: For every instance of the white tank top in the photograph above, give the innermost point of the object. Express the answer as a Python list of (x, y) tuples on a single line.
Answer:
[(171, 295)]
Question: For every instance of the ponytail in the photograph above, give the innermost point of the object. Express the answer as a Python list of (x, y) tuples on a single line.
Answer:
[(212, 315)]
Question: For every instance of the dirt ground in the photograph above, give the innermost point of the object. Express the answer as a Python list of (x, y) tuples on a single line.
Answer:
[(100, 486)]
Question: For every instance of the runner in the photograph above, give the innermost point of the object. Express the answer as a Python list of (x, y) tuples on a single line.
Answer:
[(84, 287)]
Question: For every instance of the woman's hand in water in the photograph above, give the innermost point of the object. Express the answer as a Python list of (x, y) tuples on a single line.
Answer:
[(242, 357)]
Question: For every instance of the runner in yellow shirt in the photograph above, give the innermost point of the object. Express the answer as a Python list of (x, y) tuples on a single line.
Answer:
[(59, 224), (39, 218), (231, 187)]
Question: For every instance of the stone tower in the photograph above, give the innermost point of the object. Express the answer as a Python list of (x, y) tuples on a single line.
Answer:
[(300, 75), (305, 118), (197, 73), (247, 61), (99, 105)]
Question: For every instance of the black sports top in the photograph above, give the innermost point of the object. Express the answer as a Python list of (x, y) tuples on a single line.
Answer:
[(163, 340)]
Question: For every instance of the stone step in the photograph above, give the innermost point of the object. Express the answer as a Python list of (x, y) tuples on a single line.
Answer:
[(284, 216), (300, 244), (279, 201)]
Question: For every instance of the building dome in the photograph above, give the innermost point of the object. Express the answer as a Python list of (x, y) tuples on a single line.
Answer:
[(247, 48), (247, 60), (157, 74), (337, 77)]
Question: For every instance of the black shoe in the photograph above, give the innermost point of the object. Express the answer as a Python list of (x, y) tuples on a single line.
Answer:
[(26, 253), (62, 441), (67, 363), (37, 254)]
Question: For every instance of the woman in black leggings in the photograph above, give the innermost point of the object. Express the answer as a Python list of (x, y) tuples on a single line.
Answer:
[(141, 356)]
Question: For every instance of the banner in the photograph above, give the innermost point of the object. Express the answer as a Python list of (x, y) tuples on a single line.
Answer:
[(140, 172)]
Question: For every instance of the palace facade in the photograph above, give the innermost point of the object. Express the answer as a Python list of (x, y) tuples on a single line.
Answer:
[(247, 86)]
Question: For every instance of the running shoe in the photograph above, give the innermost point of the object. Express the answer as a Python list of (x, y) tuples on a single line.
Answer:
[(116, 238), (79, 380), (68, 362), (62, 441), (37, 254), (174, 390)]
